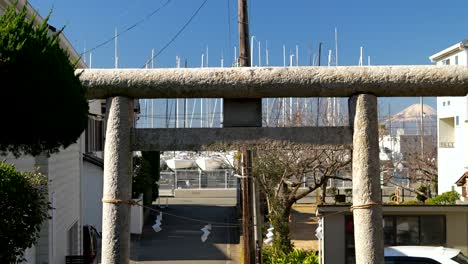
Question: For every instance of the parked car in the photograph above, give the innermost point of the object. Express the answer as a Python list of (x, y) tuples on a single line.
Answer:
[(90, 243), (424, 255)]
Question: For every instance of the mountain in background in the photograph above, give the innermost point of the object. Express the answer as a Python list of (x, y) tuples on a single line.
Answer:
[(408, 121)]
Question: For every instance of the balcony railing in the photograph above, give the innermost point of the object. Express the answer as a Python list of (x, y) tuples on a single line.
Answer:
[(446, 144)]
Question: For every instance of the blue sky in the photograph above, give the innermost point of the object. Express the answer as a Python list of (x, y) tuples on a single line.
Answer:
[(391, 32)]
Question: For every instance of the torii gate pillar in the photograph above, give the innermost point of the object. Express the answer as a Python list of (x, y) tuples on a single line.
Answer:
[(367, 198), (117, 182)]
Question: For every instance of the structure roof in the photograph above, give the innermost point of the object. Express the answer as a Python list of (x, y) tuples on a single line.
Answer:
[(462, 180), (449, 51)]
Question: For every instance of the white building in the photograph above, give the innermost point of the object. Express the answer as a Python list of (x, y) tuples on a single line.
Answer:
[(452, 123)]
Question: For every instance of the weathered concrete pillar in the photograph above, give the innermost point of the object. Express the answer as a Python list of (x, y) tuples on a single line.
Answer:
[(117, 182), (367, 209)]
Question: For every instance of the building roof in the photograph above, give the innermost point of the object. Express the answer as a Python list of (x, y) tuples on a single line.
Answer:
[(93, 160), (64, 43), (462, 180), (449, 51)]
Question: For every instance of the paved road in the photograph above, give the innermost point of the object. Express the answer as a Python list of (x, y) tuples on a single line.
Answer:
[(180, 240)]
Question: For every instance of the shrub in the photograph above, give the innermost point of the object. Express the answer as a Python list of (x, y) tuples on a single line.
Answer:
[(146, 176), (412, 202), (43, 106), (296, 256), (446, 198), (23, 208)]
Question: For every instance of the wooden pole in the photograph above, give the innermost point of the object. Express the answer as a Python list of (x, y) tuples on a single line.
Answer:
[(245, 61)]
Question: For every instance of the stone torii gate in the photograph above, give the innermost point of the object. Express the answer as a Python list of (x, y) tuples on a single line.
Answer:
[(361, 84)]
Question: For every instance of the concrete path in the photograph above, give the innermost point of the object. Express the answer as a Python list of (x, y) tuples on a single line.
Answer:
[(180, 240)]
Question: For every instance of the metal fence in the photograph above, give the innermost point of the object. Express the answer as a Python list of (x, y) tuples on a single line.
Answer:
[(197, 179)]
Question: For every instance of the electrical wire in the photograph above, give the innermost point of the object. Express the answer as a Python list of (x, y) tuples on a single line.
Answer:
[(215, 224), (128, 28), (176, 35)]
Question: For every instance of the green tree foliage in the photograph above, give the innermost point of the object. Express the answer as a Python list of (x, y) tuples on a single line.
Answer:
[(23, 208), (446, 198), (146, 176), (43, 106), (296, 256)]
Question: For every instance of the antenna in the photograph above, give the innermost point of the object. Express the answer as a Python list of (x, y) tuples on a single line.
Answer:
[(116, 61), (336, 47)]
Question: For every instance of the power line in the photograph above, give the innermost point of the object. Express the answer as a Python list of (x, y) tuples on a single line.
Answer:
[(128, 28), (177, 34)]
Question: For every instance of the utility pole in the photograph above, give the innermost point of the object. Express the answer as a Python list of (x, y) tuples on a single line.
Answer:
[(247, 181)]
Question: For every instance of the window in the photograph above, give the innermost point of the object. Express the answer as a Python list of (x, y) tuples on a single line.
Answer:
[(456, 60), (389, 231), (443, 103), (447, 132), (460, 258), (94, 135), (409, 260), (446, 62), (407, 230), (432, 230), (457, 120), (448, 102), (400, 230)]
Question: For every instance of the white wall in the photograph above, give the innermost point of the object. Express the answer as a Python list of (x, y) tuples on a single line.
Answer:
[(64, 182), (334, 238), (92, 186), (452, 162)]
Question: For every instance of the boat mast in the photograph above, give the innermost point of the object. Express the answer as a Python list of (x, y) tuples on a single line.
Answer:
[(297, 55), (116, 58), (336, 46), (259, 55), (360, 57)]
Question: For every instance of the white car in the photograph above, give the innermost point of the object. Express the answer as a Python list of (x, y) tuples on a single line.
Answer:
[(424, 255)]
